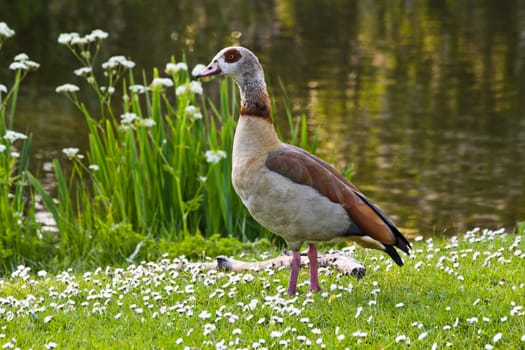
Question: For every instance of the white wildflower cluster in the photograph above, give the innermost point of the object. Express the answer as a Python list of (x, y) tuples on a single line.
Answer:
[(138, 89), (83, 72), (74, 38), (173, 68), (129, 119), (193, 86), (22, 62), (12, 136), (147, 122), (3, 88), (193, 112), (67, 88), (72, 153), (86, 49), (215, 156), (116, 62), (107, 89), (5, 31), (158, 83)]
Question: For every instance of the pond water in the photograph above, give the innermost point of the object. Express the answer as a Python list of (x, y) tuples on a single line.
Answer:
[(425, 99)]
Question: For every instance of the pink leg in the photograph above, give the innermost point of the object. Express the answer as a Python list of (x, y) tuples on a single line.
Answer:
[(314, 276), (294, 273)]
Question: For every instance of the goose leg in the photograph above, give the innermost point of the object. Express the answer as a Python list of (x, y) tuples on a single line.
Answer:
[(314, 276), (294, 272)]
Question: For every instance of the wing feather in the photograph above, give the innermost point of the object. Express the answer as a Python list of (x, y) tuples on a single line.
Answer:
[(304, 168)]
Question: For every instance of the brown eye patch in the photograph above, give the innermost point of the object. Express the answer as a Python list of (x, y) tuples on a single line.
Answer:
[(232, 55)]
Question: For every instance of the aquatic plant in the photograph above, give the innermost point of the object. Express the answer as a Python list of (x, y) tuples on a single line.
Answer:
[(18, 230), (156, 171)]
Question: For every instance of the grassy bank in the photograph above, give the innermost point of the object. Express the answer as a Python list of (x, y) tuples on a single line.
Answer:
[(465, 292)]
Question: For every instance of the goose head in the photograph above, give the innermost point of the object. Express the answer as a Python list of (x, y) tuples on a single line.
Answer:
[(237, 62)]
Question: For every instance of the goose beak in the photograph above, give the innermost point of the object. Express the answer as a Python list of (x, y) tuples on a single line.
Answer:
[(211, 70)]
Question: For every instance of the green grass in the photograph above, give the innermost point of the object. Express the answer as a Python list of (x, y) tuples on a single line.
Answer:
[(147, 187), (459, 292)]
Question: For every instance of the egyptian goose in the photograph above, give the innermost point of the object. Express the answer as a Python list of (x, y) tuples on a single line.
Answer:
[(288, 190)]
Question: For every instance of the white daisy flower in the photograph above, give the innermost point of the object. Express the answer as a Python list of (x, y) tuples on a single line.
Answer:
[(276, 334), (360, 334), (358, 311), (472, 320), (209, 328), (400, 338), (204, 315), (50, 345)]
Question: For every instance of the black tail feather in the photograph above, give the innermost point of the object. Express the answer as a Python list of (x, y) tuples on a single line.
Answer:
[(390, 250), (401, 242)]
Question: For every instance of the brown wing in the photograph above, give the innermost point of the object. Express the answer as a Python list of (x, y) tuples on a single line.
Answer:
[(304, 168)]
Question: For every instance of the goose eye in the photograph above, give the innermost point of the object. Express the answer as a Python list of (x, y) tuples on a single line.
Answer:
[(232, 55)]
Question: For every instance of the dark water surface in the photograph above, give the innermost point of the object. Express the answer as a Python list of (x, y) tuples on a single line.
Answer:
[(425, 98)]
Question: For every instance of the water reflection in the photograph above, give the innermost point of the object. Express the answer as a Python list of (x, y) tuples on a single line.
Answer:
[(426, 99)]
